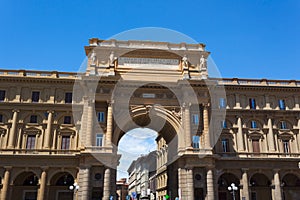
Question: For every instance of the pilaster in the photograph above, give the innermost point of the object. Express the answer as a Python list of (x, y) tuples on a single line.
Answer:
[(5, 183), (12, 133)]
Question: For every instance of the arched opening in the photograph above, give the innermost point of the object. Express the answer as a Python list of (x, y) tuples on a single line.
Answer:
[(135, 143), (138, 152), (59, 186), (225, 181), (291, 186), (25, 186), (260, 187), (164, 139)]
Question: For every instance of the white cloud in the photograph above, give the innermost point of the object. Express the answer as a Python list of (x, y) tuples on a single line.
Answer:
[(134, 143)]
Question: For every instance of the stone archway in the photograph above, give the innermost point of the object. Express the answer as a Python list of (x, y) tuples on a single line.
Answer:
[(290, 186), (224, 181), (59, 186), (25, 186), (260, 186), (167, 140)]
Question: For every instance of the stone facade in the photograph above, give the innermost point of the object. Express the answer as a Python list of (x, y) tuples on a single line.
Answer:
[(139, 173), (58, 129)]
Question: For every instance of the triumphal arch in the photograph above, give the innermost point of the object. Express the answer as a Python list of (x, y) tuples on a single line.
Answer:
[(156, 85)]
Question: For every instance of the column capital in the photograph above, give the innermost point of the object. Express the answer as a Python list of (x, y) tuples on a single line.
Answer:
[(238, 116), (186, 104), (110, 102), (210, 167), (50, 111), (44, 168), (206, 105), (276, 170), (245, 169), (269, 116), (16, 110), (7, 168)]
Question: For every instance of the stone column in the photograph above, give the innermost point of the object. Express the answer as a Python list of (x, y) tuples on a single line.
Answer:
[(190, 184), (277, 190), (298, 135), (109, 125), (106, 187), (5, 183), (84, 183), (183, 183), (206, 127), (41, 192), (180, 183), (240, 140), (187, 125), (270, 136), (245, 181), (12, 133), (113, 186), (48, 130), (89, 122), (210, 184)]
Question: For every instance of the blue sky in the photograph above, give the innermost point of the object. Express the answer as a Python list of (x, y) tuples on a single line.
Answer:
[(248, 39)]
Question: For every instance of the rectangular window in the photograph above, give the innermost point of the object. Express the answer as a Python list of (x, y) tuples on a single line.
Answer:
[(67, 120), (2, 95), (252, 103), (33, 119), (1, 118), (101, 117), (196, 141), (255, 145), (281, 104), (148, 95), (225, 145), (195, 119), (222, 103), (65, 142), (30, 143), (283, 125), (99, 140), (286, 146), (253, 124), (68, 97), (35, 96), (223, 124)]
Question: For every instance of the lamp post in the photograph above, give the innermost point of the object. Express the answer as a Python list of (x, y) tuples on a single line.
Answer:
[(74, 188), (232, 188)]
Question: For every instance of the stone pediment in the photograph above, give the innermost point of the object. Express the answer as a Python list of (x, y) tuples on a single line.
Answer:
[(66, 130), (32, 130)]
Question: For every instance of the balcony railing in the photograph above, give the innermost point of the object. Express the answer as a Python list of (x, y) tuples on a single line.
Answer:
[(39, 74), (257, 82), (39, 151), (258, 155)]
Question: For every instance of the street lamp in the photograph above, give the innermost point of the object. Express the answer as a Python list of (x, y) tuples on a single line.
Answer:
[(74, 188), (232, 188)]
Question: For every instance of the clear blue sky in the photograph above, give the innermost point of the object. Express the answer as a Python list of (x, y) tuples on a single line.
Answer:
[(248, 39)]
